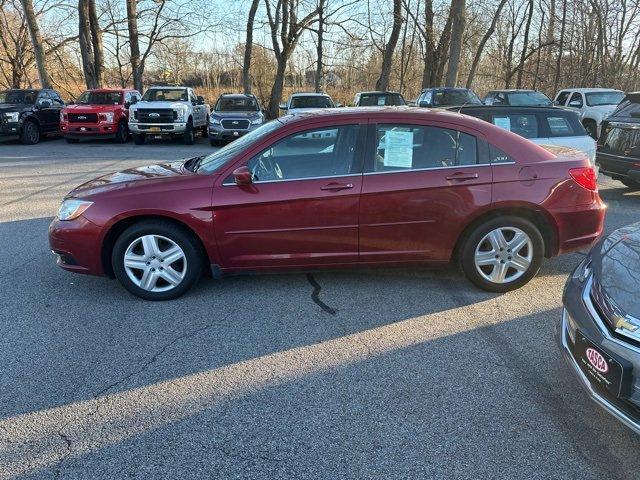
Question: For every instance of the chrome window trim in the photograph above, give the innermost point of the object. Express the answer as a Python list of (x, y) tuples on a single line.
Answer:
[(631, 159), (297, 179), (586, 299), (631, 125), (441, 168)]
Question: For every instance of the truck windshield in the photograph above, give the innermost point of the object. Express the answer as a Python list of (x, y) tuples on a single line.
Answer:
[(214, 161), (529, 99), (311, 102), (603, 98), (237, 104), (27, 97), (449, 97), (100, 98), (165, 95)]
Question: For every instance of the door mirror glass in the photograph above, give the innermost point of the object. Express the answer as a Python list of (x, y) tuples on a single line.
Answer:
[(242, 176)]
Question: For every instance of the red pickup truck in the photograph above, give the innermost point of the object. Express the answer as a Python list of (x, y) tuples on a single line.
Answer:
[(97, 114)]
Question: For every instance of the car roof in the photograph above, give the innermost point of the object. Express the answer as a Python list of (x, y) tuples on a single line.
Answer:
[(543, 108), (237, 95), (378, 92), (445, 88), (514, 90), (587, 90), (310, 94)]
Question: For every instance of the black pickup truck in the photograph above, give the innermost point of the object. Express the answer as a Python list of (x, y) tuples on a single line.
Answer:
[(619, 144), (29, 114)]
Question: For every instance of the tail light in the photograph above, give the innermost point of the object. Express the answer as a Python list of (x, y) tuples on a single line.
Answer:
[(585, 177)]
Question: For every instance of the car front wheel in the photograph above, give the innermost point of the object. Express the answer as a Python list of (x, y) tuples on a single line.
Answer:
[(156, 260), (138, 138), (30, 134), (502, 254), (188, 137)]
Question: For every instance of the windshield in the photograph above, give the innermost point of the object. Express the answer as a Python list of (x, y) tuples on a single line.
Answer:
[(165, 95), (311, 102), (443, 98), (100, 98), (603, 98), (236, 104), (214, 161), (380, 99), (529, 99), (19, 96)]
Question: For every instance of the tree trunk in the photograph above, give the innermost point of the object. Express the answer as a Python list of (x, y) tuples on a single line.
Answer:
[(429, 60), (458, 8), (96, 43), (387, 59), (318, 78), (248, 46), (483, 42), (563, 25), (86, 47), (525, 44), (276, 89), (137, 67), (36, 40)]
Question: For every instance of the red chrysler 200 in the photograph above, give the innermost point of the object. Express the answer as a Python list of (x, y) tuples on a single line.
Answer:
[(336, 188)]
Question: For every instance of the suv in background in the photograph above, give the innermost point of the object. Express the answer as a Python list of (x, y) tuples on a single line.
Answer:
[(592, 104), (168, 111), (99, 113), (29, 114), (233, 115), (378, 99), (619, 145), (542, 125), (517, 98), (447, 97), (300, 102)]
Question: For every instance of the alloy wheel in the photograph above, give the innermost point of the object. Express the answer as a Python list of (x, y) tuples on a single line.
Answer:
[(155, 263), (504, 255)]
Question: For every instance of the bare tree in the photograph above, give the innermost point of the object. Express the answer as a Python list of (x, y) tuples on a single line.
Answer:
[(137, 68), (483, 42), (457, 31), (387, 57), (36, 41), (90, 39), (248, 45)]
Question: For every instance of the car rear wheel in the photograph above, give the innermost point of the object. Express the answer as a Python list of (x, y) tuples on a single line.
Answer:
[(156, 260), (138, 138), (630, 183), (122, 134), (188, 137), (502, 254), (30, 134)]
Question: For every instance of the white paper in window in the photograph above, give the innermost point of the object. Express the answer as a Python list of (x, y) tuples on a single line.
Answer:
[(502, 122), (381, 101), (398, 149)]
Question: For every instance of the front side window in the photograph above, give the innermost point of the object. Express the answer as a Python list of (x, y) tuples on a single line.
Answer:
[(311, 102), (56, 98), (576, 100), (165, 95), (100, 98), (414, 147), (562, 98), (603, 98), (525, 125), (44, 99), (324, 152)]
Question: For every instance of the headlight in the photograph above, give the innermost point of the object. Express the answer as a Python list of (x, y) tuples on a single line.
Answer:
[(257, 121), (106, 117), (180, 113), (12, 117), (72, 208), (214, 121), (133, 114)]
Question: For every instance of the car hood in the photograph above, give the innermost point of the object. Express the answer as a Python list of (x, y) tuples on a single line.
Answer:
[(130, 177), (616, 268), (91, 108), (605, 110), (14, 107), (154, 105)]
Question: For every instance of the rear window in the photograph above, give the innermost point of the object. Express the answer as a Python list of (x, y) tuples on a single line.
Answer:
[(380, 100), (311, 102), (523, 124), (630, 107)]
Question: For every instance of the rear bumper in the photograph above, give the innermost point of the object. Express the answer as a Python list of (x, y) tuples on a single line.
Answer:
[(618, 166), (579, 229), (77, 245)]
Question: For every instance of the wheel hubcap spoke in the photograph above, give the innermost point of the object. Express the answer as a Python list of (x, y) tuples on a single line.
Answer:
[(520, 263), (504, 255)]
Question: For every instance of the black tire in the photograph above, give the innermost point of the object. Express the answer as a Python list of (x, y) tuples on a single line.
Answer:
[(473, 240), (30, 133), (139, 138), (632, 184), (188, 137), (214, 143), (122, 134), (591, 128), (181, 237), (72, 140)]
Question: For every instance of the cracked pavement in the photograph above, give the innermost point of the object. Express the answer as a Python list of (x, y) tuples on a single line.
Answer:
[(390, 373)]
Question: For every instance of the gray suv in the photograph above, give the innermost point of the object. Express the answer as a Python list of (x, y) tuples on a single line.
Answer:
[(233, 115)]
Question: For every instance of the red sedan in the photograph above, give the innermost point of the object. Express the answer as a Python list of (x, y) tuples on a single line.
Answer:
[(336, 188)]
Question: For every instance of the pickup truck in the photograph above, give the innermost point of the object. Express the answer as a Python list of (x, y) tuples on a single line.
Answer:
[(168, 111), (97, 114), (592, 105), (29, 114)]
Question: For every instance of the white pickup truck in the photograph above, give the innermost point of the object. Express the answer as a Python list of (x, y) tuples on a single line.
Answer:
[(591, 104), (168, 111)]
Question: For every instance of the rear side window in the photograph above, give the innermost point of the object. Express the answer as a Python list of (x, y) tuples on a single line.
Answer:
[(628, 108), (414, 147), (498, 156), (562, 126), (525, 125)]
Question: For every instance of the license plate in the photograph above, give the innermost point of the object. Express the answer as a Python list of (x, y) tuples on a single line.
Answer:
[(600, 368), (154, 129), (235, 134), (83, 129)]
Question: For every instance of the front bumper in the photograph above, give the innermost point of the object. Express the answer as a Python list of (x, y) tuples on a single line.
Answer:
[(585, 318), (217, 132), (88, 131), (9, 130), (77, 245), (158, 128)]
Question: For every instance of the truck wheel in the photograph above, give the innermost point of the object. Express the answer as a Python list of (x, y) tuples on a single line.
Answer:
[(72, 140), (591, 128), (122, 135), (502, 254), (30, 134), (138, 138), (188, 135)]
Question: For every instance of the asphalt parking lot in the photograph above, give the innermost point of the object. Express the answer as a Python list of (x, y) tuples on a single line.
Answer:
[(381, 374)]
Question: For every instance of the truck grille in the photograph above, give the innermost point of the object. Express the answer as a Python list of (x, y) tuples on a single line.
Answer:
[(235, 124), (83, 118), (164, 115)]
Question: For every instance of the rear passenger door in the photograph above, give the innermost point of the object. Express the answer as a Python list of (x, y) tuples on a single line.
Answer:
[(422, 182)]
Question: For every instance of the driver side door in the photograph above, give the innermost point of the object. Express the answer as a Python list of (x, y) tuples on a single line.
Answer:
[(301, 208)]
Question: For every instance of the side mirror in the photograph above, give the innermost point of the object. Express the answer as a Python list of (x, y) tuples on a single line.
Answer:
[(575, 103), (283, 106), (243, 176), (555, 103), (200, 100)]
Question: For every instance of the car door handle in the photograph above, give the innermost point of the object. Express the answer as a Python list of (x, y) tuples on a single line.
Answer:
[(459, 176), (335, 186)]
